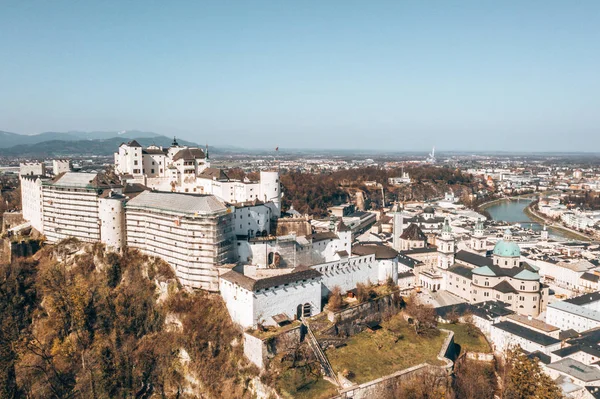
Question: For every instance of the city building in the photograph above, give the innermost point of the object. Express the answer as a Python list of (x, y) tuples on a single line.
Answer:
[(193, 233), (505, 279)]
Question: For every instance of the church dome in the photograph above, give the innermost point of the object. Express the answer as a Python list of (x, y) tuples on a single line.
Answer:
[(429, 209), (507, 249)]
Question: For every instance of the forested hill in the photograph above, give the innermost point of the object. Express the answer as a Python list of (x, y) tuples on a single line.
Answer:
[(79, 322), (313, 193), (100, 147)]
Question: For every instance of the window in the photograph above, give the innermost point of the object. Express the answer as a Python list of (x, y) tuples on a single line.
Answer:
[(135, 162), (152, 170)]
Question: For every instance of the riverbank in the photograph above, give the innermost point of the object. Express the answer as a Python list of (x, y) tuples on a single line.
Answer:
[(565, 231)]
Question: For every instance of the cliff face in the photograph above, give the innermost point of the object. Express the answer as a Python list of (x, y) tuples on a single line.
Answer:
[(80, 321)]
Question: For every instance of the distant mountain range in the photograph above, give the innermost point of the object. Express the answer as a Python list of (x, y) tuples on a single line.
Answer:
[(53, 144)]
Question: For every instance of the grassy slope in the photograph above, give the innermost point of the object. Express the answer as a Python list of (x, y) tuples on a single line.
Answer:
[(370, 355), (467, 342)]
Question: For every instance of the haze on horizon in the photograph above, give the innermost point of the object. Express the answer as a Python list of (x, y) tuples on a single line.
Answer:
[(468, 75)]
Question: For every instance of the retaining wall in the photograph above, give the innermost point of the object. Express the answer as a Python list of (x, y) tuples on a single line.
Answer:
[(387, 386), (352, 320), (260, 350)]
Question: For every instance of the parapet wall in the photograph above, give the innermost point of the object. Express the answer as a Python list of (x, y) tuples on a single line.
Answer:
[(389, 385)]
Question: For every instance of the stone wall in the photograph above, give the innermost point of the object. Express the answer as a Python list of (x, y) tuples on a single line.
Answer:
[(480, 356), (353, 320), (10, 250), (11, 219), (260, 350)]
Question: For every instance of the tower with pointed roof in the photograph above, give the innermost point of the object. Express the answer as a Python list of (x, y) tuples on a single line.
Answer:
[(445, 244), (478, 238)]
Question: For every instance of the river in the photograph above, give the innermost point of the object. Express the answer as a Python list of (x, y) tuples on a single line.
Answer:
[(512, 211)]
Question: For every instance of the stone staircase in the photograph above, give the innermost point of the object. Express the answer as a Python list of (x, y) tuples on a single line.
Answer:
[(328, 371)]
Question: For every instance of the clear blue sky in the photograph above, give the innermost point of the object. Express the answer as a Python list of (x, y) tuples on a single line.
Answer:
[(400, 75)]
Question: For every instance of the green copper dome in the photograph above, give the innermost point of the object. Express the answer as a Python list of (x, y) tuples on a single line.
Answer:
[(507, 249)]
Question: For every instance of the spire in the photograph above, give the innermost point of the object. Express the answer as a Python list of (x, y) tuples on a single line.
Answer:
[(206, 151), (175, 143), (446, 228)]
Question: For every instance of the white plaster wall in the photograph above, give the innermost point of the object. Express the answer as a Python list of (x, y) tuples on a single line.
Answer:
[(270, 189), (250, 220), (31, 202), (112, 222), (32, 168), (458, 285), (347, 273), (239, 303), (254, 350), (285, 299), (565, 320), (503, 340), (387, 268)]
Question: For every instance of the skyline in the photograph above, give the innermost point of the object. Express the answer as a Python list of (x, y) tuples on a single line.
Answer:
[(461, 77)]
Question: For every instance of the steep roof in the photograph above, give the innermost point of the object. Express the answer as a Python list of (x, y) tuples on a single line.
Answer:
[(133, 143), (326, 235), (461, 270), (380, 251), (177, 202), (189, 153), (473, 259), (214, 174), (527, 333), (505, 288), (255, 285), (155, 151), (414, 233), (594, 278), (584, 299)]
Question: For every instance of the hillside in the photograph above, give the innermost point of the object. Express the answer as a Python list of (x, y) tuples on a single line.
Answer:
[(77, 321), (99, 147), (8, 139)]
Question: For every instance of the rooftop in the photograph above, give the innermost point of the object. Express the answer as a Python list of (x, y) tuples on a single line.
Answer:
[(533, 323), (576, 369), (191, 204), (254, 285), (380, 251), (473, 259), (527, 333)]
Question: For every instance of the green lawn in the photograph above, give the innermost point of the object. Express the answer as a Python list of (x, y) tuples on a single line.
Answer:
[(468, 342), (370, 355), (304, 383)]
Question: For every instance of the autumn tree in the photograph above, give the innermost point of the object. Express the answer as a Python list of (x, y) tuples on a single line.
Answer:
[(423, 316), (335, 301), (524, 379), (473, 380)]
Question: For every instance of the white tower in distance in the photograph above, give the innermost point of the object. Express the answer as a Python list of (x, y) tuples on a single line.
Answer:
[(446, 247), (398, 221), (270, 189), (544, 234)]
